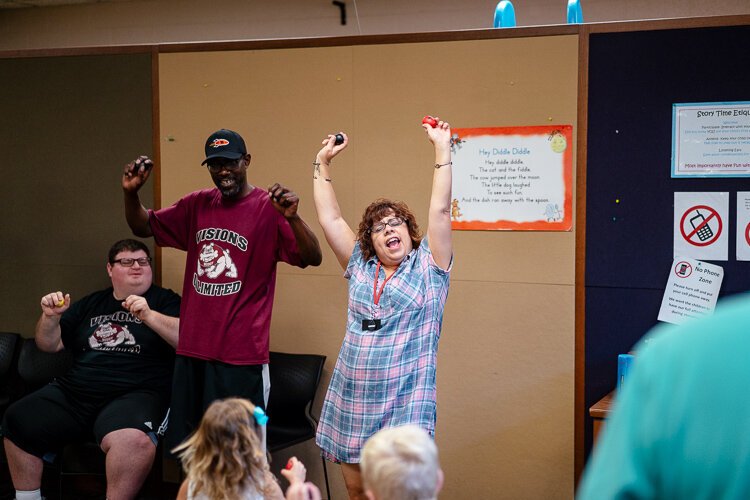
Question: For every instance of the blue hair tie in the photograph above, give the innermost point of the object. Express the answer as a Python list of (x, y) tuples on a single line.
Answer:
[(260, 416)]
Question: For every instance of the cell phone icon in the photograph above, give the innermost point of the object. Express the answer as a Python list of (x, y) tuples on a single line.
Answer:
[(704, 232), (683, 269)]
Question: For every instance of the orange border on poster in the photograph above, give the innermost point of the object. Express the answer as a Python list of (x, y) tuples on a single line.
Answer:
[(566, 224)]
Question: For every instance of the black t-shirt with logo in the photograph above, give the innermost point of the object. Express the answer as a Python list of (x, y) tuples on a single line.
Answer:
[(113, 351)]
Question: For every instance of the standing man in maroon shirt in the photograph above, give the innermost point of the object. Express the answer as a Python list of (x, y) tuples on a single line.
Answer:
[(234, 235)]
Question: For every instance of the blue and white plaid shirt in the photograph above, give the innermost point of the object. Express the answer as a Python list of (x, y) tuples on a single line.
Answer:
[(386, 377)]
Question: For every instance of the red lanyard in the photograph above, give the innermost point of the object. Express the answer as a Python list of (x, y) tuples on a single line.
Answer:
[(375, 293)]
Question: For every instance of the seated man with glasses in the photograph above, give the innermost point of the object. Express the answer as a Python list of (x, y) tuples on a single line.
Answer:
[(122, 339)]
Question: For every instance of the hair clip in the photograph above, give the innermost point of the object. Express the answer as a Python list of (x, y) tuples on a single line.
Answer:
[(260, 416)]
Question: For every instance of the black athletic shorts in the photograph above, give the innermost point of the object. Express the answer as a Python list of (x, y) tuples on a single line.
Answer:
[(197, 383), (43, 422)]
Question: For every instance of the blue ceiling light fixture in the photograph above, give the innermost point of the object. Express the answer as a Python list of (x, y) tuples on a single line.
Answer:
[(575, 14), (505, 15)]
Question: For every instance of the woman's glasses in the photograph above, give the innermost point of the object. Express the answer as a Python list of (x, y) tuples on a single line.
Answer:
[(380, 226)]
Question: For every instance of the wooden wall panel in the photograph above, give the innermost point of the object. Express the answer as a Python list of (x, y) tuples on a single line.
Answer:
[(69, 126), (506, 358)]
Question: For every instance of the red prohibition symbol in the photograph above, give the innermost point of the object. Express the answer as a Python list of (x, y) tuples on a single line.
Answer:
[(747, 233), (683, 269), (700, 234)]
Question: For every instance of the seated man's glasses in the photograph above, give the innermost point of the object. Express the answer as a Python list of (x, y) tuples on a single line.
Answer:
[(127, 262), (216, 165), (393, 222)]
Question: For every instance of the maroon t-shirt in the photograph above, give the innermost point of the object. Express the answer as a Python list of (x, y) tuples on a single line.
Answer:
[(230, 273)]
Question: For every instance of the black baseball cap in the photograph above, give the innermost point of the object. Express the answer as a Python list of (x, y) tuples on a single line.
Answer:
[(225, 144)]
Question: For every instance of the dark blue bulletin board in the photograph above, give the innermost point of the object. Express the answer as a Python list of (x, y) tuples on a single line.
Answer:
[(634, 78)]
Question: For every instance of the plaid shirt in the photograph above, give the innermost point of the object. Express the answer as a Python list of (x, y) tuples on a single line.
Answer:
[(385, 378)]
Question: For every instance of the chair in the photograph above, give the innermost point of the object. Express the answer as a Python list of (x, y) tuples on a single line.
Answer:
[(294, 382), (8, 343), (37, 368)]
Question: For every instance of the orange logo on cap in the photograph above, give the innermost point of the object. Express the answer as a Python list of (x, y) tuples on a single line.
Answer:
[(219, 143)]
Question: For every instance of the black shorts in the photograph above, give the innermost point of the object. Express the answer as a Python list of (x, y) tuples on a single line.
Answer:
[(43, 422), (197, 383)]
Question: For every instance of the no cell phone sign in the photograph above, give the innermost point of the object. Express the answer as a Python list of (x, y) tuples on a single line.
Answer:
[(701, 225)]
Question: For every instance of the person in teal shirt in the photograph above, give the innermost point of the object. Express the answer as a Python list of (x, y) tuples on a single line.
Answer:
[(680, 426)]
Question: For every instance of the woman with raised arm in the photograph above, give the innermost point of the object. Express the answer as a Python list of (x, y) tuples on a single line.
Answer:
[(398, 284)]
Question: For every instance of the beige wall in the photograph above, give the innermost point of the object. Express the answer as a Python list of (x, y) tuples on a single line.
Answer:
[(68, 126), (506, 361), (156, 21)]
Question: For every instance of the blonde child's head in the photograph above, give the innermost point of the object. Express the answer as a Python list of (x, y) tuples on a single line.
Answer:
[(225, 456), (401, 463)]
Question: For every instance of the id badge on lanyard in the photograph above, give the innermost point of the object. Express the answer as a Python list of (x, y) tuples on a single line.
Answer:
[(375, 324)]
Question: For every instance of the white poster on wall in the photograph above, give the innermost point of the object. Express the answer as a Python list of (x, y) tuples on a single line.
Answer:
[(513, 178), (711, 139), (701, 225), (692, 290), (743, 225)]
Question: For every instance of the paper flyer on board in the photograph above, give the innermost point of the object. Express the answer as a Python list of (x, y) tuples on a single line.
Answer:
[(743, 225), (711, 139), (692, 290), (701, 222)]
